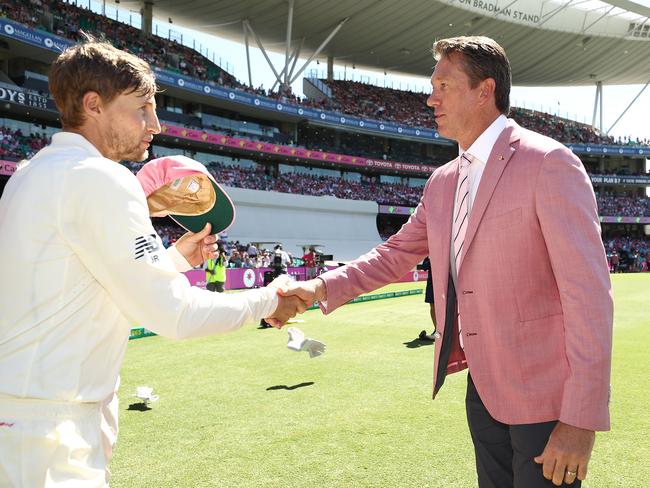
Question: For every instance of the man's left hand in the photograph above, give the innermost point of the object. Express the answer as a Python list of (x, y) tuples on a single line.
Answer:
[(566, 454), (199, 247)]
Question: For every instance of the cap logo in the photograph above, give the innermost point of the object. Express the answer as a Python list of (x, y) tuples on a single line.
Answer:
[(193, 186), (174, 185)]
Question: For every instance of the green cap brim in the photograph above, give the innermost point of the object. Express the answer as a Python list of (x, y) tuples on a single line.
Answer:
[(221, 215)]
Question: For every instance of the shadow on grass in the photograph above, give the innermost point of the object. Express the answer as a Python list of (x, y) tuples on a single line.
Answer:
[(139, 407), (292, 387), (417, 342)]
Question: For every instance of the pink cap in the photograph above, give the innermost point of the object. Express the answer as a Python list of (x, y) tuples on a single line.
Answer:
[(160, 172)]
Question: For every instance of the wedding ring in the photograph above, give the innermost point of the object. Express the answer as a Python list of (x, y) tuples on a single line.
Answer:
[(570, 473)]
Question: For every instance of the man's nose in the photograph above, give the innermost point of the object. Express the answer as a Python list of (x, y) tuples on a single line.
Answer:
[(431, 100), (154, 125)]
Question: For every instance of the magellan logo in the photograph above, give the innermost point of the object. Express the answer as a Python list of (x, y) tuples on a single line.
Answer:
[(145, 244), (9, 29), (249, 278)]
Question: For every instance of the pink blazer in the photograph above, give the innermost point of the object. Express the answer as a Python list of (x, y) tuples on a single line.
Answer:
[(533, 287)]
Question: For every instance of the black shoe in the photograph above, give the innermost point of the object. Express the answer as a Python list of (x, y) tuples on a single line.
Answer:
[(424, 337)]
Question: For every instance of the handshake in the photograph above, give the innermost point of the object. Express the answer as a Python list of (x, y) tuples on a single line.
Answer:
[(294, 297)]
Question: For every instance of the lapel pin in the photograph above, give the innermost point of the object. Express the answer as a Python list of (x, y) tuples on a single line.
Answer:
[(500, 158)]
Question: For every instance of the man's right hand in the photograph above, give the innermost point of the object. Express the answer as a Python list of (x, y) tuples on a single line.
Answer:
[(288, 307), (308, 291)]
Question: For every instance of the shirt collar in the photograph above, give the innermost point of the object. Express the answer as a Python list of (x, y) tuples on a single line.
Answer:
[(482, 146), (74, 139)]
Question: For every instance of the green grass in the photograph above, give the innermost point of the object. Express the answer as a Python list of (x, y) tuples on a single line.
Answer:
[(367, 419)]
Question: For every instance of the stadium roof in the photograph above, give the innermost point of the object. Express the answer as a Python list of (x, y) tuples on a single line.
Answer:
[(551, 42)]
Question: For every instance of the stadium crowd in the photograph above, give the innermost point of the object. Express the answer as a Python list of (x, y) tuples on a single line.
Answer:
[(67, 20), (409, 108), (623, 206), (366, 189), (238, 255), (374, 102), (14, 145), (628, 254)]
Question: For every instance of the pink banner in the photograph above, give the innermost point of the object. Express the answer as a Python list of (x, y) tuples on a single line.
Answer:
[(396, 210), (7, 168), (268, 148), (196, 277), (242, 278)]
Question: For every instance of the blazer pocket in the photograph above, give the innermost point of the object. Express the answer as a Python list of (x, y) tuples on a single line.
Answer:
[(504, 220)]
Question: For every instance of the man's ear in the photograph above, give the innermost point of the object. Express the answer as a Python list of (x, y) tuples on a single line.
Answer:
[(92, 104), (488, 87)]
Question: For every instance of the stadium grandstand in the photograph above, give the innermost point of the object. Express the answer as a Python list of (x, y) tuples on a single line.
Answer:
[(350, 158)]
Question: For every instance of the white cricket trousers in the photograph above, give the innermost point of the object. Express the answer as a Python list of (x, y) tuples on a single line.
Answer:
[(53, 444)]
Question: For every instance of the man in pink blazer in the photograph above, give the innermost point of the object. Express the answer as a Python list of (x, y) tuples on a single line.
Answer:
[(520, 279)]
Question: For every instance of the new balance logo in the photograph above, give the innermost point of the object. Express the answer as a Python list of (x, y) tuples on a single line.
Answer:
[(145, 244)]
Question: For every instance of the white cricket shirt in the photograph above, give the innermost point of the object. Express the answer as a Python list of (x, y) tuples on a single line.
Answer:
[(80, 263)]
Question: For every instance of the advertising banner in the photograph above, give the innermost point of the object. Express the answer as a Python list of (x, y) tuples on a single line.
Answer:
[(396, 210), (290, 151), (46, 40), (7, 168), (611, 150), (242, 278), (21, 96), (625, 220), (620, 180)]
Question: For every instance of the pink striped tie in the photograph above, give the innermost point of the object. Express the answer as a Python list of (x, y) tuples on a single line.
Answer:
[(462, 208)]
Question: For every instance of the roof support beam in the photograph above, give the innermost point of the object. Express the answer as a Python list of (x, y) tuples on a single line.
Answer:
[(295, 58), (320, 48), (628, 107), (287, 59), (292, 57), (599, 97), (248, 57), (631, 6), (284, 77), (598, 19), (147, 17), (248, 26), (553, 13)]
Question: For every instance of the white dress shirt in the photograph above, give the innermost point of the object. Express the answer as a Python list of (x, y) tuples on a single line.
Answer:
[(81, 263), (480, 151)]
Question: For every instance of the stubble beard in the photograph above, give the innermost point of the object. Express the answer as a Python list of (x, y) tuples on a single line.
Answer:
[(124, 149)]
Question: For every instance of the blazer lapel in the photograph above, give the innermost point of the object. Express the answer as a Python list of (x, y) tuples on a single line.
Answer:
[(446, 199), (499, 158)]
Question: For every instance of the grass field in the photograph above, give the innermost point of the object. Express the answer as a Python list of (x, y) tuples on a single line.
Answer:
[(242, 410)]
